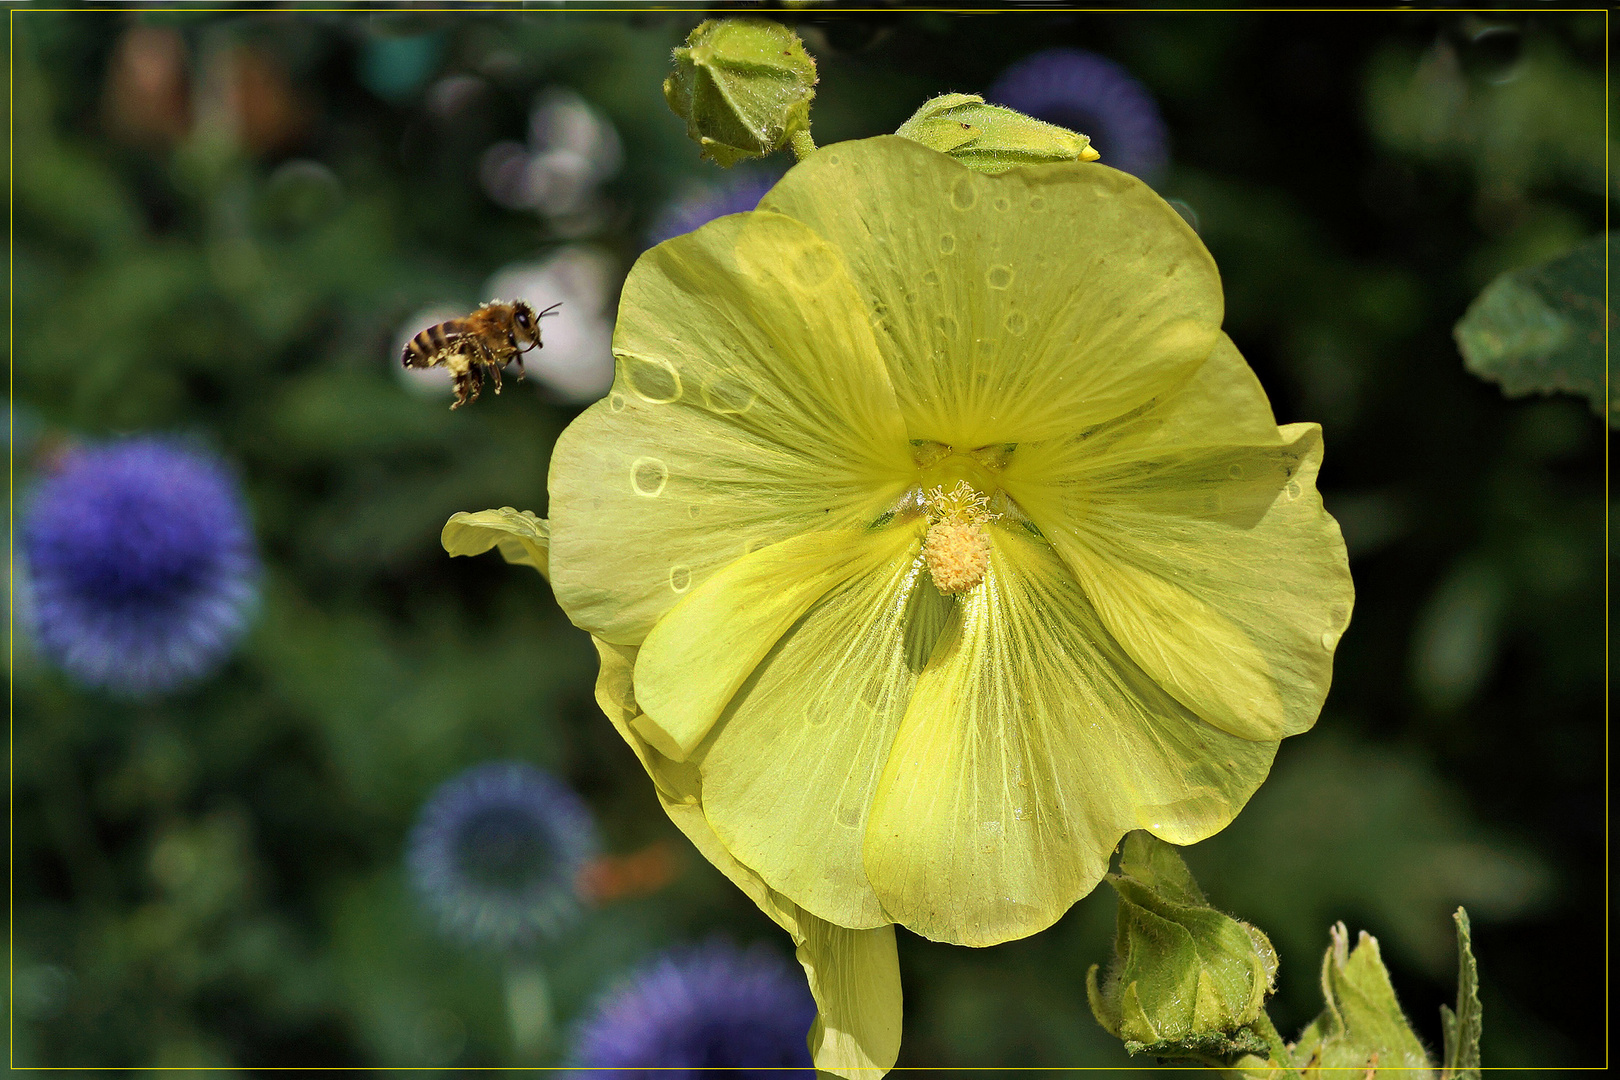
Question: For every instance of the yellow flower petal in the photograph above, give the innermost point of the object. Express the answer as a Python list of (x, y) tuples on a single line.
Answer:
[(750, 405), (703, 649), (1031, 745), (855, 978), (1196, 530), (522, 538), (854, 974), (857, 747), (789, 772), (678, 783), (1016, 307)]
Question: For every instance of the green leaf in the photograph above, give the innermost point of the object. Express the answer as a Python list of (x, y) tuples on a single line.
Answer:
[(1540, 329), (1462, 1028)]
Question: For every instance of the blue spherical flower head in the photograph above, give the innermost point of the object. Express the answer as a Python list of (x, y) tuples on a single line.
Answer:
[(1093, 95), (700, 1010), (740, 192), (141, 562), (495, 853)]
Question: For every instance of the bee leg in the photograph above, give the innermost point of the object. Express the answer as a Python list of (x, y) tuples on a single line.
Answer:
[(486, 358), (493, 364), (466, 389), (465, 376), (516, 355)]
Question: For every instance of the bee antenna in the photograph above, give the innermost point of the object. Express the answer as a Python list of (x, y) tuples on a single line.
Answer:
[(552, 310)]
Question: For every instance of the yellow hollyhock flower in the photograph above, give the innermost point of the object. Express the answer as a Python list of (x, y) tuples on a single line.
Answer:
[(934, 536)]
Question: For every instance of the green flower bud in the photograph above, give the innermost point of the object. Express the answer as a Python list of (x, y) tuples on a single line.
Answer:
[(1362, 1028), (991, 139), (1186, 980), (743, 86)]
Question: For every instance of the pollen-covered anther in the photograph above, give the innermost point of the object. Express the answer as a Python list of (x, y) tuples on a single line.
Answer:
[(957, 554), (956, 548)]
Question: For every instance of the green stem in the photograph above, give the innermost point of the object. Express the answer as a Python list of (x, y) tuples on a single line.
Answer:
[(528, 1008), (1274, 1043), (803, 145)]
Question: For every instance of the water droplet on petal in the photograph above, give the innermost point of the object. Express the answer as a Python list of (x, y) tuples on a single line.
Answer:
[(999, 276), (1188, 214), (947, 243), (648, 475), (815, 714), (814, 265), (727, 397), (652, 379), (962, 194), (680, 578)]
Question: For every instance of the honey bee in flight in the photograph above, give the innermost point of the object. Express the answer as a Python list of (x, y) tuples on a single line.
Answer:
[(491, 337)]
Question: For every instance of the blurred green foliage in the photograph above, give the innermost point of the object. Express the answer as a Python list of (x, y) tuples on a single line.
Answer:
[(1542, 328), (216, 878)]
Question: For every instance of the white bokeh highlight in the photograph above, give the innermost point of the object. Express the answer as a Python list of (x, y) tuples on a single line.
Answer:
[(576, 363)]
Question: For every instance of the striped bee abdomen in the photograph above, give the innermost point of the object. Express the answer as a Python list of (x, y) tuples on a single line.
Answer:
[(425, 347)]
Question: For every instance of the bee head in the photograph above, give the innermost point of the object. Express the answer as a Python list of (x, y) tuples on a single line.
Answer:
[(526, 323)]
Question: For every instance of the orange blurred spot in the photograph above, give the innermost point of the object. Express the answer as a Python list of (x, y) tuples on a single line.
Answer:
[(622, 877), (260, 98), (146, 99)]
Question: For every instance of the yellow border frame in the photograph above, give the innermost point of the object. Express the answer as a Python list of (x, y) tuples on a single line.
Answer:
[(683, 5)]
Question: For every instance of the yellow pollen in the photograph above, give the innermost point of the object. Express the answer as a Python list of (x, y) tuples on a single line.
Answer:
[(956, 549), (957, 554)]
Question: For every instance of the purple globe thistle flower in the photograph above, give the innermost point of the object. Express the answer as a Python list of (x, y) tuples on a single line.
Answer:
[(696, 1010), (739, 192), (141, 564), (495, 853), (1093, 95)]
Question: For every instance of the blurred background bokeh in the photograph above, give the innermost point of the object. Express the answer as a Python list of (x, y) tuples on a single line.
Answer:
[(226, 225)]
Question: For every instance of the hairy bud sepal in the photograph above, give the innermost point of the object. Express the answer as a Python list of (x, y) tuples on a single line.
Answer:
[(743, 86), (989, 138), (1186, 980), (1362, 1028)]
